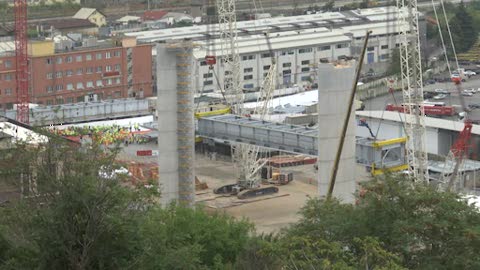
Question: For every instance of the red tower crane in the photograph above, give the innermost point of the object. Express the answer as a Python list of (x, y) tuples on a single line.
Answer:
[(21, 59)]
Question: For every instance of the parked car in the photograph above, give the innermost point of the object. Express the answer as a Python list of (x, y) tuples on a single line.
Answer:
[(470, 73), (441, 91), (431, 81), (427, 95), (467, 94), (471, 90), (440, 96), (474, 106)]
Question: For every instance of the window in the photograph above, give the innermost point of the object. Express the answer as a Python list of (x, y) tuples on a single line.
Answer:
[(90, 84), (8, 91), (207, 82), (109, 82), (70, 86), (59, 87), (228, 72), (99, 83), (370, 49), (79, 71), (203, 63), (69, 72), (397, 45), (8, 63), (69, 100), (384, 47), (118, 94), (266, 67), (325, 48), (305, 62), (287, 72), (342, 45), (78, 58), (48, 61), (248, 86), (89, 70), (99, 69), (68, 59), (80, 85), (59, 60), (108, 68), (58, 74), (305, 50), (291, 52), (118, 81), (248, 57), (247, 70), (98, 56), (305, 69), (8, 77), (88, 57), (286, 65), (49, 102), (305, 78), (248, 77), (116, 53), (50, 75), (117, 67), (108, 55), (59, 100), (265, 74), (266, 55), (384, 56), (207, 75), (49, 89)]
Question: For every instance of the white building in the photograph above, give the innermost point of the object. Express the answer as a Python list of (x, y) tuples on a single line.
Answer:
[(298, 44)]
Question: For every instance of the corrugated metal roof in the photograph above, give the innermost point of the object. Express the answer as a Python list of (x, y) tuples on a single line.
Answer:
[(275, 23)]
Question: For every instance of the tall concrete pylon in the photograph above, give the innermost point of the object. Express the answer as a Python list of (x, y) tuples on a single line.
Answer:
[(176, 126), (335, 82)]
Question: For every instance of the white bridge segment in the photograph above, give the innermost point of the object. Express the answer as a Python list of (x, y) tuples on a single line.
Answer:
[(284, 137)]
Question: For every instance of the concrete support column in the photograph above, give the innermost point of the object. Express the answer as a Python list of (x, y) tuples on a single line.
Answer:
[(335, 84)]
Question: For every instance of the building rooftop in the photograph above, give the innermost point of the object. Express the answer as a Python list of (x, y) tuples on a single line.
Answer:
[(7, 48), (327, 19), (153, 15), (84, 13)]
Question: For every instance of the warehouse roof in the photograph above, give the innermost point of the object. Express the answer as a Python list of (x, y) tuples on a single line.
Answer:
[(429, 121), (330, 19)]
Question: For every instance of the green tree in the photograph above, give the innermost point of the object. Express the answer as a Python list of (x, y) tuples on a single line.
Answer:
[(422, 227), (79, 215), (329, 5)]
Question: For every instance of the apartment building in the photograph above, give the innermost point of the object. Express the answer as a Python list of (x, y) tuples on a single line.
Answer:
[(101, 70)]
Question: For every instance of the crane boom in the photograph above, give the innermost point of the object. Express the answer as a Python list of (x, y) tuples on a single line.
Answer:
[(21, 60), (412, 87)]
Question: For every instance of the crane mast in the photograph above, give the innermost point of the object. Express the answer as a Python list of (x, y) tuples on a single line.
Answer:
[(21, 60), (412, 87)]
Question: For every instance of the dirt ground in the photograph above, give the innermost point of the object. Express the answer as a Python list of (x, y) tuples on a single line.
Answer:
[(268, 213)]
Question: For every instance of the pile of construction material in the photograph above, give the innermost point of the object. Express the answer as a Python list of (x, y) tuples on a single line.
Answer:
[(290, 160), (272, 176)]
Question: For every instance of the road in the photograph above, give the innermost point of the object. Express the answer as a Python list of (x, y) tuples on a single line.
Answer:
[(379, 103)]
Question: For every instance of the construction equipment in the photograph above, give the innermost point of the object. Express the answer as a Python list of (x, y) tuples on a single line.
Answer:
[(412, 89), (363, 123), (21, 59), (245, 157), (460, 148)]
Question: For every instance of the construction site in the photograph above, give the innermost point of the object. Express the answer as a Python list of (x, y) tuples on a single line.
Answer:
[(258, 152)]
